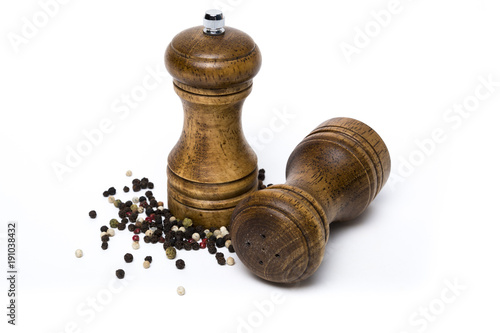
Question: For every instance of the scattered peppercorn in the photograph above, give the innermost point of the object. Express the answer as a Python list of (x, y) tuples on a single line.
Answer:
[(181, 291), (128, 173), (117, 203), (171, 252), (230, 261), (148, 258), (113, 223), (146, 264), (126, 189), (104, 228), (180, 264), (219, 255), (128, 257), (227, 243), (79, 253), (135, 238), (105, 238), (104, 245), (92, 214), (219, 242), (111, 191), (136, 187), (135, 245), (231, 248), (120, 273), (221, 261), (105, 194), (211, 250), (151, 185), (195, 246), (110, 232)]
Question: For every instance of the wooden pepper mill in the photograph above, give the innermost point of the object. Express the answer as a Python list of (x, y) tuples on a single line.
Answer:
[(280, 232), (212, 167)]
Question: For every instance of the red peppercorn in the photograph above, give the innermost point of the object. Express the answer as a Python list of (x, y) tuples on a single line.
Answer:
[(128, 213), (137, 231), (203, 245), (148, 219), (135, 238)]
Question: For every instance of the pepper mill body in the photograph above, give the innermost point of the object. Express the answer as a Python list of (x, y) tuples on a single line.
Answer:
[(212, 167), (280, 233)]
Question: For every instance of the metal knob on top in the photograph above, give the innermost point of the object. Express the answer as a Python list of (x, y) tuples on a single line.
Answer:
[(214, 22)]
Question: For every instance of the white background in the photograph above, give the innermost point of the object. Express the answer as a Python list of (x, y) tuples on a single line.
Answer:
[(434, 224)]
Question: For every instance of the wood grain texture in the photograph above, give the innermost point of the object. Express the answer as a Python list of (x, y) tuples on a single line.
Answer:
[(280, 232), (212, 167)]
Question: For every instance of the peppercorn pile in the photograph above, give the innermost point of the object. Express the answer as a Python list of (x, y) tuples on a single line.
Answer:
[(159, 226)]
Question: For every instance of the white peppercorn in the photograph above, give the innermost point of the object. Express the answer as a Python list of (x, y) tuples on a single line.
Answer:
[(149, 233), (110, 232), (104, 233), (135, 245), (140, 210), (135, 200), (219, 236), (128, 173), (230, 261), (140, 220), (172, 219), (228, 243), (79, 253), (146, 264), (223, 231), (161, 208), (206, 231), (174, 228), (196, 236), (111, 199), (182, 229), (181, 291)]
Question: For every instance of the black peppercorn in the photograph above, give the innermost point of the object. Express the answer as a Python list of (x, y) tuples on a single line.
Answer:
[(153, 202), (122, 226), (149, 258), (180, 264), (221, 261), (179, 245), (128, 257), (231, 248), (147, 239), (212, 238), (212, 229), (195, 246), (105, 194), (131, 227), (126, 189), (161, 240), (111, 191), (105, 238), (104, 245), (149, 211), (122, 214), (142, 199), (149, 194), (144, 180), (165, 245), (151, 185), (120, 273), (128, 203), (136, 187), (211, 249), (144, 185), (220, 242), (262, 171), (104, 228), (135, 181), (219, 255), (154, 239), (158, 233), (92, 214), (261, 176), (187, 246)]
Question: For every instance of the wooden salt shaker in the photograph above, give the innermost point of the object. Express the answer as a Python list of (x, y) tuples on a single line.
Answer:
[(280, 232), (212, 167)]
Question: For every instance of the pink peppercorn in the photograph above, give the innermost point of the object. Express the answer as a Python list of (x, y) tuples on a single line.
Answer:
[(135, 238), (137, 231)]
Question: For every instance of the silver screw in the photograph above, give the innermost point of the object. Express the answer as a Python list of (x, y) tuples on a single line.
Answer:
[(214, 22)]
